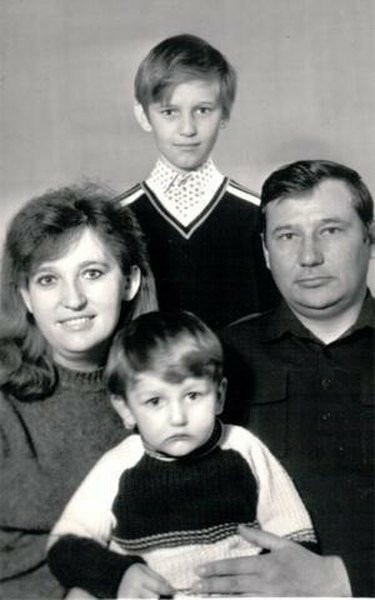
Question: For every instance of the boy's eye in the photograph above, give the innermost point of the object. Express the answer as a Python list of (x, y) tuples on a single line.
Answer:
[(204, 110), (169, 112)]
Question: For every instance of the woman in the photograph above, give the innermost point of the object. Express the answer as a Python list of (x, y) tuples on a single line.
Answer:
[(74, 270)]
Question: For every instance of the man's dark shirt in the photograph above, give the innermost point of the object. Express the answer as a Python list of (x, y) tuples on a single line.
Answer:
[(313, 405)]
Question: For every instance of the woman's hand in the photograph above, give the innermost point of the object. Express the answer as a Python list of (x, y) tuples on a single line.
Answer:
[(139, 581)]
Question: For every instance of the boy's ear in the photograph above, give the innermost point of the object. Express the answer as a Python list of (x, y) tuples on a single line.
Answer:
[(141, 117), (265, 252), (122, 409), (221, 391), (132, 283)]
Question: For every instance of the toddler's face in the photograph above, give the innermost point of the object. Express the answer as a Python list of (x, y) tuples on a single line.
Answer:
[(186, 125), (174, 418)]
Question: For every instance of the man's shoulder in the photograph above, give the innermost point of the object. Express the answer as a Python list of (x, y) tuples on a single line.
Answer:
[(253, 323), (131, 195), (242, 194)]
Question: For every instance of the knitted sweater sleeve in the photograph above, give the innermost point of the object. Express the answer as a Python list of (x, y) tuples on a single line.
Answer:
[(78, 553), (280, 509)]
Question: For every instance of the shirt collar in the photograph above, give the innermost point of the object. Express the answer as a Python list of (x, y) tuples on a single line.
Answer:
[(282, 321)]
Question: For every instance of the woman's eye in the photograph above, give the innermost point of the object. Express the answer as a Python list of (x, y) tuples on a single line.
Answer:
[(46, 280), (92, 274)]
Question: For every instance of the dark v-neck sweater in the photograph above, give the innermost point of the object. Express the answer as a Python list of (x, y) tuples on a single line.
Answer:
[(214, 267)]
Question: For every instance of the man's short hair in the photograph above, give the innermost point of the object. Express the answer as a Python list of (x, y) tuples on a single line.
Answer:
[(173, 345), (301, 177), (179, 59)]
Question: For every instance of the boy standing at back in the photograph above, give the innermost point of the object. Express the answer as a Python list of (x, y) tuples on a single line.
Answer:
[(200, 227)]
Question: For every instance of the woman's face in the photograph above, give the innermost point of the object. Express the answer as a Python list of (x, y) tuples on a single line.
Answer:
[(76, 300)]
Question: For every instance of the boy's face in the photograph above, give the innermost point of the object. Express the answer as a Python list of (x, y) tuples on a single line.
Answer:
[(173, 418), (186, 125)]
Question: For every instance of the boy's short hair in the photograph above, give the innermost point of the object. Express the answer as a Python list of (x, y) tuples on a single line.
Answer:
[(179, 59), (174, 345)]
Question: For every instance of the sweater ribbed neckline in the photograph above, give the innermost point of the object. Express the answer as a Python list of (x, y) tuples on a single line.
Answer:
[(80, 380)]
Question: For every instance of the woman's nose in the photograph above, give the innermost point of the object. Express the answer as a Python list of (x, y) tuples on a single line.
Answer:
[(73, 296)]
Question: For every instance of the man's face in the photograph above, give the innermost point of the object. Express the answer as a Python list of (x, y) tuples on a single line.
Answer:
[(318, 250), (185, 127)]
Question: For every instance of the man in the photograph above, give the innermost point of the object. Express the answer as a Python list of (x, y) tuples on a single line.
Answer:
[(307, 369)]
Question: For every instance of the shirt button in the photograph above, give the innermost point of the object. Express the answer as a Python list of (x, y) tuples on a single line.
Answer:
[(326, 416), (326, 383)]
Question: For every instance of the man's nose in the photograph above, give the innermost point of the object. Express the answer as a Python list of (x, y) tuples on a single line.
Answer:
[(310, 252)]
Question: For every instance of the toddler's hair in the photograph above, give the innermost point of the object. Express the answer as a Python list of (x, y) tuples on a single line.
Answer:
[(179, 59), (175, 346)]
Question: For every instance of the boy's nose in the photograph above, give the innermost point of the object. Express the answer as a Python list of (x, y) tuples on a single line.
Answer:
[(187, 125)]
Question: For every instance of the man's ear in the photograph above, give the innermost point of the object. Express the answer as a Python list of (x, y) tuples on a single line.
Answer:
[(26, 298), (220, 400), (371, 239), (141, 117), (265, 251), (132, 283), (122, 409)]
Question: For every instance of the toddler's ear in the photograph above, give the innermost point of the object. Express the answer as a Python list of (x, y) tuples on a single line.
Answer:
[(141, 117), (120, 406), (221, 391)]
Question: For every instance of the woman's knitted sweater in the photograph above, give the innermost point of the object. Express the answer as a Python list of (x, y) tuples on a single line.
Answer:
[(174, 514), (46, 449)]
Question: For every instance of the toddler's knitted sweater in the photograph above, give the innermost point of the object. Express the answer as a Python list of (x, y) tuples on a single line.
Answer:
[(174, 514)]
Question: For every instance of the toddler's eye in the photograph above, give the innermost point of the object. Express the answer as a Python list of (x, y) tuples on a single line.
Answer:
[(193, 395)]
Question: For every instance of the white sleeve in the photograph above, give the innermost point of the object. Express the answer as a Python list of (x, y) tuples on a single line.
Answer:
[(89, 511), (280, 509)]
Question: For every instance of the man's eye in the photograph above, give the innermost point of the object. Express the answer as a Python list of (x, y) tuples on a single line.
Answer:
[(330, 230), (286, 236)]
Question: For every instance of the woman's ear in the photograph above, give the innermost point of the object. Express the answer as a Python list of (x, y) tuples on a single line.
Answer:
[(26, 298), (220, 399), (124, 412), (132, 283), (141, 117)]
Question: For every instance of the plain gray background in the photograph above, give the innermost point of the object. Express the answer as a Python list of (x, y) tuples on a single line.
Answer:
[(306, 87)]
